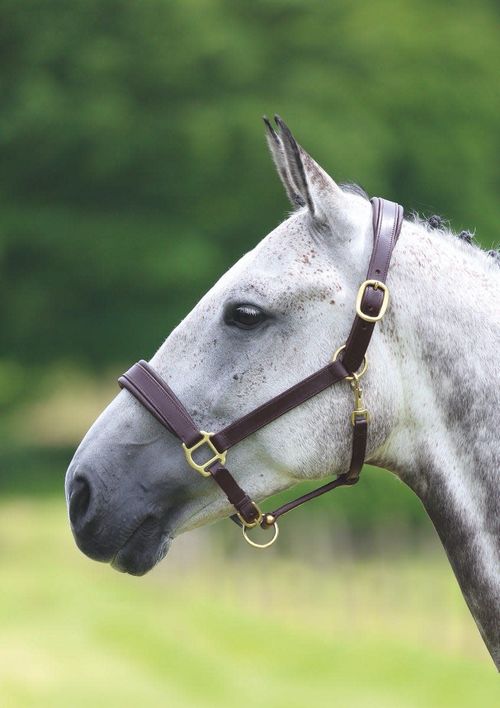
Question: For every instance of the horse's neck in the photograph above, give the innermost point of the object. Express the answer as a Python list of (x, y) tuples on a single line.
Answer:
[(446, 446)]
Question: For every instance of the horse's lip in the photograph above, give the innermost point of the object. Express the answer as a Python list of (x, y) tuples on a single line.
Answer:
[(143, 549)]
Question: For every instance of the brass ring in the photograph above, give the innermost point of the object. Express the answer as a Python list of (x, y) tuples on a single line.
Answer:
[(361, 371), (261, 545)]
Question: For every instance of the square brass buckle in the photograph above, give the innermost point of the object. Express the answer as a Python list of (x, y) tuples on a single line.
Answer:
[(205, 440), (375, 284)]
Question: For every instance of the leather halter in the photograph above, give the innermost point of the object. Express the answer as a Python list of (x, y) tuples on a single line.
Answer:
[(349, 363)]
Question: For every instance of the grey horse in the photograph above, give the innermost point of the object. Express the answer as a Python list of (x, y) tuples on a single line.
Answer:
[(271, 320)]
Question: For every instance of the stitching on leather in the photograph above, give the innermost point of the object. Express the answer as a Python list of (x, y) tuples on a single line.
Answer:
[(274, 401), (169, 397)]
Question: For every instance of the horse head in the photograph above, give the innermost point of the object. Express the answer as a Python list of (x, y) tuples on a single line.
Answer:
[(274, 318)]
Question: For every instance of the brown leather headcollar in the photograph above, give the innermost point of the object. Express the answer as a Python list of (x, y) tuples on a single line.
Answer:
[(349, 363)]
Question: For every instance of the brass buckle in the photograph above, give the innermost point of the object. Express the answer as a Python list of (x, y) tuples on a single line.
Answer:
[(205, 440), (375, 284)]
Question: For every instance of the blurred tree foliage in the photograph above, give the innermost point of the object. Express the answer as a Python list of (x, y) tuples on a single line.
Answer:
[(133, 169)]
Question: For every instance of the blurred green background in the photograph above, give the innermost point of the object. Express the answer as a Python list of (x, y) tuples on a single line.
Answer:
[(133, 173)]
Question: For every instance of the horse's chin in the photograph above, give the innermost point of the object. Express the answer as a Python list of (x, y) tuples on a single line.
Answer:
[(143, 550)]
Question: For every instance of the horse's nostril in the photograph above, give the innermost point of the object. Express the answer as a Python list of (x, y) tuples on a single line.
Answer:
[(79, 499)]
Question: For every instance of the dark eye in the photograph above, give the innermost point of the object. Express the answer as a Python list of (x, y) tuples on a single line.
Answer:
[(244, 316)]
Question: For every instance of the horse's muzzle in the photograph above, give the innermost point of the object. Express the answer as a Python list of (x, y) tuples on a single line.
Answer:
[(129, 534)]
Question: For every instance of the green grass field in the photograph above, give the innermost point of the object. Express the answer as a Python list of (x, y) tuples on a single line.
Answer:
[(247, 628)]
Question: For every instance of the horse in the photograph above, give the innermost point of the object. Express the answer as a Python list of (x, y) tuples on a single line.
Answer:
[(432, 387)]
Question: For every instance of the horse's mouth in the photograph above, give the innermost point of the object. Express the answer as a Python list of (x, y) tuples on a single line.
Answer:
[(146, 547)]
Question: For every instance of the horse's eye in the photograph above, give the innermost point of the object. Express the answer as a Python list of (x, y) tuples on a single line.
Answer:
[(245, 316)]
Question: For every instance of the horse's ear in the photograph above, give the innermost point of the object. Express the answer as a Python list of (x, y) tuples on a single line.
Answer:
[(280, 160), (305, 182)]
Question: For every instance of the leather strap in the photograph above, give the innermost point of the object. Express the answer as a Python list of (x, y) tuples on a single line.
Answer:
[(279, 405), (360, 435), (387, 222), (245, 507), (155, 395)]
